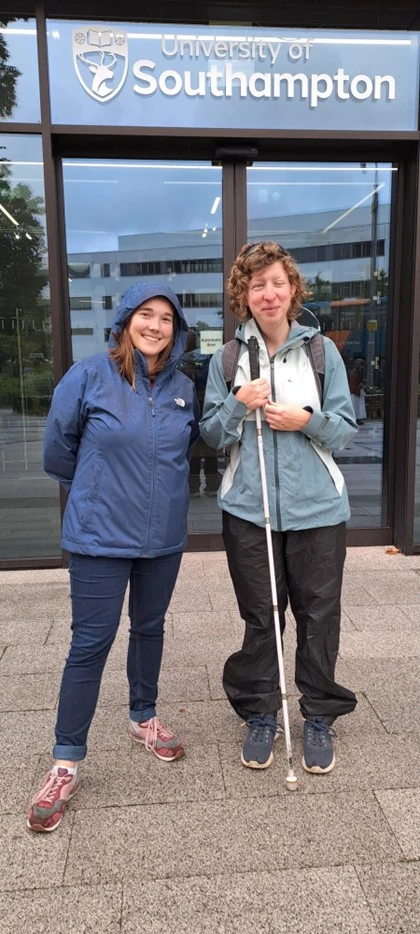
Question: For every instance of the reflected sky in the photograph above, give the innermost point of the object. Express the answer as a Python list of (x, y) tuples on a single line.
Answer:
[(107, 199)]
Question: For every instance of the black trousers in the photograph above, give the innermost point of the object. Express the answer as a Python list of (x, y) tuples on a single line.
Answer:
[(309, 572)]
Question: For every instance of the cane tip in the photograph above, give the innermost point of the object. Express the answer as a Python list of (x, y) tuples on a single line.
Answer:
[(291, 782)]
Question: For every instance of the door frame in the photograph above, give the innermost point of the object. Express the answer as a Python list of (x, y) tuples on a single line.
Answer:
[(234, 158)]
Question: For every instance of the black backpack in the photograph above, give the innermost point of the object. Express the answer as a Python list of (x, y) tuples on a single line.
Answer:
[(315, 348)]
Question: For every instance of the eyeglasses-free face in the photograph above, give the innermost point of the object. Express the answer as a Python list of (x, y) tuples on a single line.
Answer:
[(152, 328), (269, 298)]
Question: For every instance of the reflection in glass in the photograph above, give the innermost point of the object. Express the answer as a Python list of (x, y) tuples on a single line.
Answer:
[(130, 220), (19, 86), (29, 502), (335, 220)]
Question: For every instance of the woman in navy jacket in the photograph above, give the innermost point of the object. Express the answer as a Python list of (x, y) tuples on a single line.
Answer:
[(118, 438)]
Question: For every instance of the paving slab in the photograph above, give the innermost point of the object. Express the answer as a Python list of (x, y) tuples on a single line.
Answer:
[(30, 659), (34, 601), (198, 600), (362, 645), (29, 692), (223, 599), (67, 910), (24, 579), (218, 581), (354, 594), (24, 632), (171, 840), (402, 810), (30, 860), (412, 610), (380, 619), (391, 687), (27, 732), (302, 901), (375, 558), (396, 588), (209, 625), (396, 706), (393, 893), (17, 777)]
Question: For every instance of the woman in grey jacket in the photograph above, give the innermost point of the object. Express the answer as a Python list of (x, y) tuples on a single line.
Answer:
[(307, 498)]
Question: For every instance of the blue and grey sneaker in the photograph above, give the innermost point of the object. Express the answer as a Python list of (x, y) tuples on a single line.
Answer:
[(318, 750), (257, 750)]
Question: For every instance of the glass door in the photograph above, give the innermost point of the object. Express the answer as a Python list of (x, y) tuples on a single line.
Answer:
[(133, 219), (130, 220), (335, 220)]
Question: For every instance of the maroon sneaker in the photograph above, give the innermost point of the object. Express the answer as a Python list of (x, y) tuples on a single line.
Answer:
[(157, 738), (47, 806)]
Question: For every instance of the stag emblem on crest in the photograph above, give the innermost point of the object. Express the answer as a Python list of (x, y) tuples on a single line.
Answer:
[(100, 58)]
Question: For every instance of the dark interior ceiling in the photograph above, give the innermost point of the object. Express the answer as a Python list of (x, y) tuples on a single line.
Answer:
[(364, 14)]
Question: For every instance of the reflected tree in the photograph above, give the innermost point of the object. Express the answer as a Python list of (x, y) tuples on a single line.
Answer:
[(319, 288), (8, 74), (25, 366)]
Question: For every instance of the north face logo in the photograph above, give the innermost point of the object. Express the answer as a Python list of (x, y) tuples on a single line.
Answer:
[(100, 58)]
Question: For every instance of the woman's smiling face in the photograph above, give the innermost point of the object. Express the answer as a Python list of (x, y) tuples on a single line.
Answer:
[(269, 296), (151, 328)]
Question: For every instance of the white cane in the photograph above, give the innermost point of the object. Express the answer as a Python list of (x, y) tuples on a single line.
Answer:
[(254, 364)]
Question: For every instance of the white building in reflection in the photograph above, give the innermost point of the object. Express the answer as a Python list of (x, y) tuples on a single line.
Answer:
[(345, 258)]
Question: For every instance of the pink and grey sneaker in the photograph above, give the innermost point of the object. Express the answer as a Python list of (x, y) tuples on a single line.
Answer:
[(47, 806), (157, 738)]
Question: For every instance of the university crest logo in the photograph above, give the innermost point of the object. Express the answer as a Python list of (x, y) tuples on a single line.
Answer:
[(100, 58)]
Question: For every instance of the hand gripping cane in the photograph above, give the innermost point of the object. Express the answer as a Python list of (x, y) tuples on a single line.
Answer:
[(254, 365)]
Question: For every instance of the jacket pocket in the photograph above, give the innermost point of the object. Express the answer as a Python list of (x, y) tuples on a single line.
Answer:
[(333, 470), (89, 501)]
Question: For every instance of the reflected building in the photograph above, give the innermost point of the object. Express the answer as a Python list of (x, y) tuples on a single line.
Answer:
[(335, 258)]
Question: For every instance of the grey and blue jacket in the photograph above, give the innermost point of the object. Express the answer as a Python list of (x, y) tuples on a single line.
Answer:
[(122, 455), (305, 486)]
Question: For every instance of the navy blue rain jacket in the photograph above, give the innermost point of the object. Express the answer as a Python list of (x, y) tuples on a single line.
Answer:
[(122, 455)]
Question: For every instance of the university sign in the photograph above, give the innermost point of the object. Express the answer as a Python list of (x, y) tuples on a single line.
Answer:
[(138, 76)]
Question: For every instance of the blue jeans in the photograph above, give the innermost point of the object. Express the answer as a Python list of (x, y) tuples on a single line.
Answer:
[(98, 587)]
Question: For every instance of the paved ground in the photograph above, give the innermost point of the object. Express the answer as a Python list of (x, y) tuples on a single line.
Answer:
[(204, 846)]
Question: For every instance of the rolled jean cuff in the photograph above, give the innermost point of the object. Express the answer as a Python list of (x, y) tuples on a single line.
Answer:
[(139, 716), (71, 753)]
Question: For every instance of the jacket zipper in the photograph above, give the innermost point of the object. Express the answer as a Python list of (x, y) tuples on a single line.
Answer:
[(153, 471), (276, 451)]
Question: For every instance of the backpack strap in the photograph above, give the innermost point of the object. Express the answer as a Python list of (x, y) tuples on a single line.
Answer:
[(230, 359), (316, 353)]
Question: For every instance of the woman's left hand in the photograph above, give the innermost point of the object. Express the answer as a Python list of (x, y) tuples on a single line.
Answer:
[(286, 417)]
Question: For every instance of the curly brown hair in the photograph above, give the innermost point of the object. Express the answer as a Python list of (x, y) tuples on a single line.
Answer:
[(253, 257), (123, 352)]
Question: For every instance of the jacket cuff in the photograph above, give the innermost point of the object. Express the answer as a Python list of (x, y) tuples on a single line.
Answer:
[(316, 423)]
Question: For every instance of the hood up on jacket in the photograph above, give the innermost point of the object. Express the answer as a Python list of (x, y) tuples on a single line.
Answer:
[(135, 296)]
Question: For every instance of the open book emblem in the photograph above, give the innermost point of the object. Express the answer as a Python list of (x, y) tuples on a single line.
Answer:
[(100, 58)]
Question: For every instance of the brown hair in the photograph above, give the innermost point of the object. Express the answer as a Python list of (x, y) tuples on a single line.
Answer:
[(124, 355), (250, 260)]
